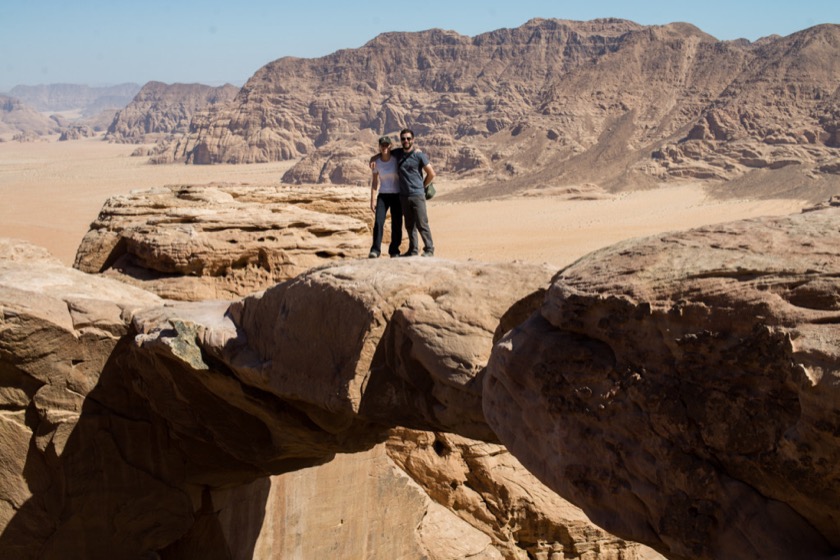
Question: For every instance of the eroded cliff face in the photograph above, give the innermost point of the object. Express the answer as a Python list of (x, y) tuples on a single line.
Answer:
[(551, 103), (161, 110), (682, 389)]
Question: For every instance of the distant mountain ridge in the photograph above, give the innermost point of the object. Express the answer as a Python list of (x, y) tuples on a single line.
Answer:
[(65, 97), (554, 103), (151, 113), (22, 122)]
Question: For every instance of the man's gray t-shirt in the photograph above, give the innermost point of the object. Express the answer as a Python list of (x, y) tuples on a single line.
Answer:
[(410, 168)]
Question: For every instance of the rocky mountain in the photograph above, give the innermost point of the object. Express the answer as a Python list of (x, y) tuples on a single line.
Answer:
[(89, 100), (159, 110), (79, 111), (18, 121), (551, 103)]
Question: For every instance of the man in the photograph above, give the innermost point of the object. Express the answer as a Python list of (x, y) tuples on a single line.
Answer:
[(415, 174)]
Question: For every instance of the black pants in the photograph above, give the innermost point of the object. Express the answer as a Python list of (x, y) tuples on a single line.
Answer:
[(416, 219), (385, 202)]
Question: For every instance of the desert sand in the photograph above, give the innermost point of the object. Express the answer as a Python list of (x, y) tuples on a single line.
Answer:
[(51, 191)]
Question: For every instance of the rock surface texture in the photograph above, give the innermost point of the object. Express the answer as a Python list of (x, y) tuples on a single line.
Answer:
[(683, 389), (159, 110), (552, 103), (135, 427), (220, 241), (485, 486)]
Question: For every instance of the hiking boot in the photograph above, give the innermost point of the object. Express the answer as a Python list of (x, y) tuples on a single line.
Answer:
[(373, 255), (428, 253)]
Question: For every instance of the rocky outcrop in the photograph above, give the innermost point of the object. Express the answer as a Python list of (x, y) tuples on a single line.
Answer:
[(394, 366), (336, 511), (59, 329), (552, 102), (345, 161), (680, 389), (223, 241), (151, 431), (76, 131), (683, 389), (485, 486), (339, 162), (159, 110), (20, 122)]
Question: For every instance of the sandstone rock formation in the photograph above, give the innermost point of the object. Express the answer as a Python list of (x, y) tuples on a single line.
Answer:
[(159, 110), (345, 160), (416, 350), (540, 524), (358, 505), (552, 103), (137, 432), (58, 332), (680, 389), (683, 389), (76, 131), (221, 241), (486, 486), (780, 111), (19, 121)]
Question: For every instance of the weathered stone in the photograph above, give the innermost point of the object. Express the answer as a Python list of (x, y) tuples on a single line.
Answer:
[(138, 437), (402, 341), (683, 389), (159, 110), (487, 487), (223, 241), (559, 102), (356, 506)]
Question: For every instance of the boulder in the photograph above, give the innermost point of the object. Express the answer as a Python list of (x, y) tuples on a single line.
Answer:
[(682, 389), (192, 242)]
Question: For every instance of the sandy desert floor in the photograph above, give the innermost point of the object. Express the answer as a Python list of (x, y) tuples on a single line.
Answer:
[(51, 191)]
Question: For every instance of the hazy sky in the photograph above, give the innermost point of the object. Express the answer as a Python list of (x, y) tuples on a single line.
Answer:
[(104, 42)]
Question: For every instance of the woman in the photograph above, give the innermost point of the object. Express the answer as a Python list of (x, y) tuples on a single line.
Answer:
[(386, 181)]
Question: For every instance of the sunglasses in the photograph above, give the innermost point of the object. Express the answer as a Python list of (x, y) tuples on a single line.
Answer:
[(405, 138)]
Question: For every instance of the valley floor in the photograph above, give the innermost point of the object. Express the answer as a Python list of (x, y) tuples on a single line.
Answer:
[(51, 191)]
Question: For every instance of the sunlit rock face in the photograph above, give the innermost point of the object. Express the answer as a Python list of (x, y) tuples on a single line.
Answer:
[(552, 104), (160, 110), (223, 241), (682, 389)]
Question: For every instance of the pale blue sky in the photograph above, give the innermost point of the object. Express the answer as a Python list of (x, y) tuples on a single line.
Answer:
[(104, 42)]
